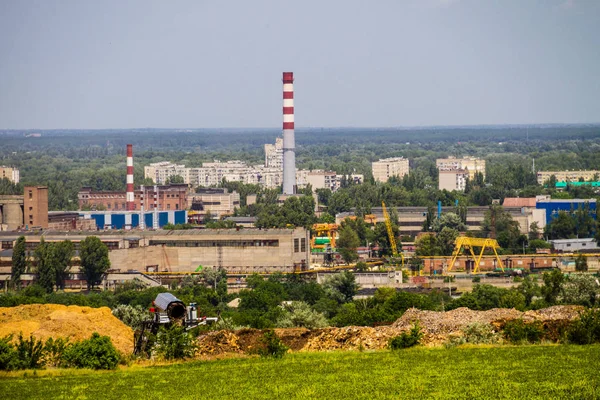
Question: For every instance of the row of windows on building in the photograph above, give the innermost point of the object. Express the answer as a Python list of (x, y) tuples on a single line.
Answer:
[(215, 243), (299, 245)]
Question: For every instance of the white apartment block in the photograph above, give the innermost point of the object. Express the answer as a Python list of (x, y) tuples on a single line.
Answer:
[(386, 168), (471, 164), (161, 171), (10, 173), (453, 179), (567, 176), (274, 154)]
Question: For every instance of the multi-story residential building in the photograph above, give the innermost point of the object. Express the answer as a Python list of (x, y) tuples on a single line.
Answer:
[(454, 179), (274, 154), (567, 176), (160, 172), (386, 168), (10, 173), (471, 164)]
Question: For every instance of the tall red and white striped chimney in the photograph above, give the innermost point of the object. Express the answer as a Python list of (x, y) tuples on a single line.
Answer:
[(289, 145), (129, 198)]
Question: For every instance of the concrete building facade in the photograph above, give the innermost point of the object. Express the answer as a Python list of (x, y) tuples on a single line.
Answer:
[(237, 251), (169, 197), (274, 154), (160, 172), (10, 173), (385, 168), (455, 179), (35, 206), (567, 176), (218, 201), (471, 164)]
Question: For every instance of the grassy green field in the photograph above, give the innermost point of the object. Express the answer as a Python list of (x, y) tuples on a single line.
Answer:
[(527, 372)]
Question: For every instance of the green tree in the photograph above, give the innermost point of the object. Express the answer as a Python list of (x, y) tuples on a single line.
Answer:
[(63, 257), (19, 262), (581, 264), (45, 260), (341, 287), (553, 282), (347, 244), (427, 245), (175, 179), (94, 260), (534, 231), (445, 240), (529, 289), (563, 226), (449, 220)]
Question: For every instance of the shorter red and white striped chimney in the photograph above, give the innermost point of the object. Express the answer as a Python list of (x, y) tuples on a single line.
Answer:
[(129, 197)]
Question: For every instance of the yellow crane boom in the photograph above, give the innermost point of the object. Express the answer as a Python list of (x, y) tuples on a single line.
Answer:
[(390, 232)]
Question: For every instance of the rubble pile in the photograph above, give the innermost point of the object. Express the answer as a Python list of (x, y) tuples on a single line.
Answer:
[(436, 326), (77, 323)]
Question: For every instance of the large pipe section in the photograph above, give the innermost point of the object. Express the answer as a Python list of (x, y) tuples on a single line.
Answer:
[(129, 197), (289, 145)]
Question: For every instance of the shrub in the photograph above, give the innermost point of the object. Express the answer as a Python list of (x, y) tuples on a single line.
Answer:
[(97, 352), (476, 279), (406, 339), (478, 333), (586, 329), (54, 351), (272, 346), (132, 316), (29, 353), (518, 331), (301, 314), (174, 342), (7, 354)]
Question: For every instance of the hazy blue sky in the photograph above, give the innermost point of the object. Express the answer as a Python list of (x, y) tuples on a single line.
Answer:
[(126, 63)]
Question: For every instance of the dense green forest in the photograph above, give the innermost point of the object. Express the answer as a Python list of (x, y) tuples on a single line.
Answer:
[(67, 160)]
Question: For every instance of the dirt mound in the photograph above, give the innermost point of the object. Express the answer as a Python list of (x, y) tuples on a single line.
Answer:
[(437, 327), (73, 322)]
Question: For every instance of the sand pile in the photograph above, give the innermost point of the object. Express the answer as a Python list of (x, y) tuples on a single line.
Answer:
[(437, 327), (73, 322)]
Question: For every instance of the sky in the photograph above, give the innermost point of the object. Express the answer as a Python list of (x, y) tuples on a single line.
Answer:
[(85, 64)]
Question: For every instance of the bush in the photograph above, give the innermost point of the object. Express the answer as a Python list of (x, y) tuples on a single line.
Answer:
[(481, 334), (300, 314), (54, 351), (7, 354), (517, 331), (586, 330), (96, 352), (406, 339), (132, 316), (30, 353), (272, 346), (476, 279), (174, 342)]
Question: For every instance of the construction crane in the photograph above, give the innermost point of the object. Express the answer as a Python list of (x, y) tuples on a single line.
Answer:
[(468, 243), (390, 232)]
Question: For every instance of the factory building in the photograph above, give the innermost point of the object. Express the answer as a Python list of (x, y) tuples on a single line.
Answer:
[(386, 168), (166, 198), (411, 219), (132, 220), (10, 173), (237, 251), (216, 201), (553, 206), (567, 176), (25, 212)]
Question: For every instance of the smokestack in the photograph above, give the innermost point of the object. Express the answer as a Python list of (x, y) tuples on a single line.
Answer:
[(129, 198), (289, 146)]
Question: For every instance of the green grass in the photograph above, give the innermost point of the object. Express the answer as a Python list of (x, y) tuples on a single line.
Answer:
[(525, 372)]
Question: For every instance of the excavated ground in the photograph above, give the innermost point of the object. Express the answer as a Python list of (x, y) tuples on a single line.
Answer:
[(74, 322), (437, 327)]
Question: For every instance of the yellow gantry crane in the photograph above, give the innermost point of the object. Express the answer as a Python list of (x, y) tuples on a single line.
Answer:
[(390, 232), (464, 242)]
